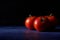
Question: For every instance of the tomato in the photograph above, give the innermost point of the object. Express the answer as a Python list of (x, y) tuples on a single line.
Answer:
[(40, 23), (52, 19), (29, 22), (52, 22)]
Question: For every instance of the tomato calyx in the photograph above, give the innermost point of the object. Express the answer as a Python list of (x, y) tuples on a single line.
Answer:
[(42, 20), (51, 14), (30, 15)]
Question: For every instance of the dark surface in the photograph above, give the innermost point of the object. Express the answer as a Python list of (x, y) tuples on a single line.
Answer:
[(21, 33)]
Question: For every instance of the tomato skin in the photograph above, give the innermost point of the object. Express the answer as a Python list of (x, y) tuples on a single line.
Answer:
[(29, 22), (40, 25), (52, 20)]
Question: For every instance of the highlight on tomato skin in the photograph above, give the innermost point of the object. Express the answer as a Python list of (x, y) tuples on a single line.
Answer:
[(29, 22)]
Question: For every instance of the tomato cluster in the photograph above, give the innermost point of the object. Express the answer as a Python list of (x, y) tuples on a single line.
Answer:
[(41, 23)]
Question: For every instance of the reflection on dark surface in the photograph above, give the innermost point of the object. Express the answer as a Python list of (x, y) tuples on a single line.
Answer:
[(31, 35), (21, 33)]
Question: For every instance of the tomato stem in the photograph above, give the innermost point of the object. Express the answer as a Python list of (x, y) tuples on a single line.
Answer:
[(51, 14), (29, 15), (42, 19)]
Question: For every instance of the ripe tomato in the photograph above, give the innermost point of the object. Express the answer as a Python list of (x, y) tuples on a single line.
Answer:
[(40, 23), (52, 22), (52, 19), (29, 22)]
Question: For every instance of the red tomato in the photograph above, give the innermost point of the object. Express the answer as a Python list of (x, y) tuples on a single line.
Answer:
[(40, 23), (52, 22), (29, 22), (52, 19)]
